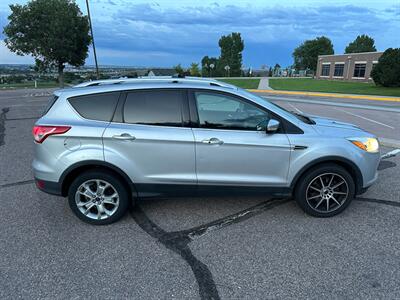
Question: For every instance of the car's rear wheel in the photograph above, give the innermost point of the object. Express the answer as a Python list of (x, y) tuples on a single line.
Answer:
[(98, 197), (325, 190)]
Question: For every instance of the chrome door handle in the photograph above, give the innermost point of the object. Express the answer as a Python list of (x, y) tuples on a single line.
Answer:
[(213, 141), (124, 136)]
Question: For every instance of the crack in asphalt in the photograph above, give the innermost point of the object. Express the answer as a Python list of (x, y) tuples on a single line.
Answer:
[(3, 113), (27, 118), (380, 201), (16, 183), (178, 241), (204, 278), (241, 216)]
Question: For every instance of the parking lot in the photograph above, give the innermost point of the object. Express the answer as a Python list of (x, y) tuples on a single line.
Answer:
[(208, 248)]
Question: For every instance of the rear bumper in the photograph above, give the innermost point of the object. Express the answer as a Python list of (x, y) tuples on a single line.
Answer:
[(49, 187)]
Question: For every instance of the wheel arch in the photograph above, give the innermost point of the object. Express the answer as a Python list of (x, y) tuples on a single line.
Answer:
[(72, 171), (347, 164)]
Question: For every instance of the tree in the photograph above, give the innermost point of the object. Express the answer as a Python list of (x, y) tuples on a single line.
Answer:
[(276, 70), (231, 46), (178, 69), (363, 43), (206, 69), (306, 55), (54, 32), (270, 73), (387, 71), (132, 74), (194, 70)]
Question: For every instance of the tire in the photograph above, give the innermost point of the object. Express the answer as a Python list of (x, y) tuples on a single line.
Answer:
[(98, 197), (325, 190)]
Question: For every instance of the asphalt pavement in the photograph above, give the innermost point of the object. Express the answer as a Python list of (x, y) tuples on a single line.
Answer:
[(381, 118), (197, 248)]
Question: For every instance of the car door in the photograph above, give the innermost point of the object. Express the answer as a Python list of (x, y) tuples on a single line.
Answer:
[(151, 142), (232, 146)]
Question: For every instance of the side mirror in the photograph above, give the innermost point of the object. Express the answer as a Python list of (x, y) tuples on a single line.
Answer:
[(272, 126)]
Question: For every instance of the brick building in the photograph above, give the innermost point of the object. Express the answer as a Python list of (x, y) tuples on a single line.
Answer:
[(353, 66)]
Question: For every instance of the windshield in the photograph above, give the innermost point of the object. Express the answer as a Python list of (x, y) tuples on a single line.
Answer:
[(301, 117)]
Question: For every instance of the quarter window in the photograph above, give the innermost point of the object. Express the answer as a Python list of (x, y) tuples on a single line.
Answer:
[(96, 106), (160, 108), (338, 70), (50, 104), (325, 69), (219, 111), (359, 70)]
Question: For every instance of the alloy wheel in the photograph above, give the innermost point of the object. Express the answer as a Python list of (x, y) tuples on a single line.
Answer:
[(327, 192), (97, 199)]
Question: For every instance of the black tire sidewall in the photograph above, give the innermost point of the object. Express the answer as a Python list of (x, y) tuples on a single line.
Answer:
[(300, 192), (106, 176)]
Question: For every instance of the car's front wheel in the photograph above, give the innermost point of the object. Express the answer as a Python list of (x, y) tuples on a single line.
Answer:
[(325, 190), (98, 197)]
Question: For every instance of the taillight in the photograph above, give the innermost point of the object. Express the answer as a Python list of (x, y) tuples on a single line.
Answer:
[(40, 133)]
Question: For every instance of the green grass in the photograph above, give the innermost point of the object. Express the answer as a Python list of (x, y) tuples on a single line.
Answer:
[(245, 83), (40, 84), (332, 86)]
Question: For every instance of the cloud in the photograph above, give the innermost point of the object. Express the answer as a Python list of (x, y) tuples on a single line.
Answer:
[(193, 31), (310, 18), (8, 57), (133, 33)]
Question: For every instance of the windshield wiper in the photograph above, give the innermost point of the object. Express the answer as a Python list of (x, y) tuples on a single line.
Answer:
[(304, 118)]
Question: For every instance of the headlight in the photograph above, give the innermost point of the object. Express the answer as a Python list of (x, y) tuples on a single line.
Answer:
[(368, 144)]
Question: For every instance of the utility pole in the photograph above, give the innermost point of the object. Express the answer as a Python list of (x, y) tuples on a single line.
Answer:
[(91, 33)]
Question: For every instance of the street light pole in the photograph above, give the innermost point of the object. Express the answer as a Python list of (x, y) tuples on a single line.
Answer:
[(91, 33)]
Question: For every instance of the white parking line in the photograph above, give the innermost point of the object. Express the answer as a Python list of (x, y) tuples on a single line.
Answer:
[(38, 100), (298, 110), (390, 154), (26, 105), (337, 104), (367, 119)]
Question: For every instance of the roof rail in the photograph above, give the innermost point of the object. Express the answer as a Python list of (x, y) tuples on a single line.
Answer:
[(171, 79)]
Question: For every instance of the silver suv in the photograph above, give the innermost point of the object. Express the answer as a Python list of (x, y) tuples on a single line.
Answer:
[(105, 143)]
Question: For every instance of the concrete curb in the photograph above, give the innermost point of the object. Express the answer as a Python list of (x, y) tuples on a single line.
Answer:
[(332, 95), (389, 142)]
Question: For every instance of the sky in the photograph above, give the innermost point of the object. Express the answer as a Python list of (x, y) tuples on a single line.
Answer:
[(163, 33)]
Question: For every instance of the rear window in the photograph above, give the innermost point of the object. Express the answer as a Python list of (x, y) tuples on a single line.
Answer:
[(160, 108), (96, 106)]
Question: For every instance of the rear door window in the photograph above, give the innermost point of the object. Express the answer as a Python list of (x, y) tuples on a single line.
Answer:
[(159, 108), (99, 107)]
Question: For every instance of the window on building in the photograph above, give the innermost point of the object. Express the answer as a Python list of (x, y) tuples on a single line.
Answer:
[(338, 70), (359, 70), (325, 69)]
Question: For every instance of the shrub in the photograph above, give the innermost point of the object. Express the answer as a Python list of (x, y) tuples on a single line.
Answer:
[(387, 71)]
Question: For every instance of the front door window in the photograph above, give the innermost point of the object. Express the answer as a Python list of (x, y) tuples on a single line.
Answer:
[(219, 111)]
